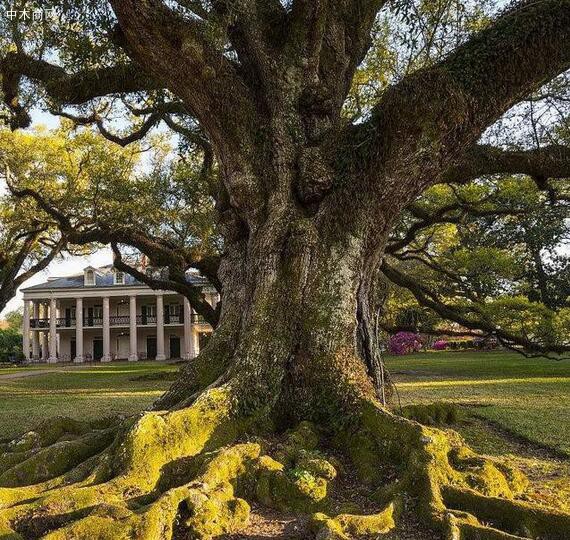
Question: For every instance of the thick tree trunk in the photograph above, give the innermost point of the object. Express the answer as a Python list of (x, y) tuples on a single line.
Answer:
[(296, 318)]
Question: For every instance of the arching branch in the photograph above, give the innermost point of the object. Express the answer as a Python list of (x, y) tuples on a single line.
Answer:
[(547, 162), (70, 88), (180, 285), (136, 135), (432, 115), (160, 251), (178, 51), (428, 298)]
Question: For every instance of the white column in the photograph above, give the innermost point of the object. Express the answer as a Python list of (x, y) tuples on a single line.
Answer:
[(196, 342), (78, 331), (45, 344), (160, 328), (52, 331), (188, 349), (133, 354), (36, 333), (26, 331), (106, 331)]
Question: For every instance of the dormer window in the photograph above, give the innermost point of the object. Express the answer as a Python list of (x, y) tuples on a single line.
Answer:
[(89, 278), (119, 278)]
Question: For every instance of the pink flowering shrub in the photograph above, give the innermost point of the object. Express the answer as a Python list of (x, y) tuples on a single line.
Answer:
[(405, 343), (440, 345)]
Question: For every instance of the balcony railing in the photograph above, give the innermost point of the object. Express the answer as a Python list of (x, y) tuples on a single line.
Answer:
[(173, 319), (39, 323), (121, 320), (146, 319), (92, 321)]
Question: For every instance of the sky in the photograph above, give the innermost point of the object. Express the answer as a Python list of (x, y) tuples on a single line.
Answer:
[(63, 267)]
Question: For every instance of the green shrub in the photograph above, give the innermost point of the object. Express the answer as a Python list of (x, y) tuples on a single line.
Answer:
[(432, 414)]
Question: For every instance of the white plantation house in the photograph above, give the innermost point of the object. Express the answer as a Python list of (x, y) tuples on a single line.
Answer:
[(103, 315)]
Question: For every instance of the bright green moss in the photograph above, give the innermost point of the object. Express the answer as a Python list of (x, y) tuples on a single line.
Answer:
[(292, 489), (350, 525), (317, 466), (54, 460), (211, 516)]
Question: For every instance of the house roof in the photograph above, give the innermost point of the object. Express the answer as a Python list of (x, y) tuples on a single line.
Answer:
[(104, 277)]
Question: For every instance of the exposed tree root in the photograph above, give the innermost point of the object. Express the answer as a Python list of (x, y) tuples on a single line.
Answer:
[(183, 474)]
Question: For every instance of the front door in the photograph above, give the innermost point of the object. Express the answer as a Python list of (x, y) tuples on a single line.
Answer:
[(151, 347), (174, 347), (97, 349), (123, 347), (73, 349)]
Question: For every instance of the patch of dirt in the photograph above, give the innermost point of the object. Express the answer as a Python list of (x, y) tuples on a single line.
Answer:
[(267, 523)]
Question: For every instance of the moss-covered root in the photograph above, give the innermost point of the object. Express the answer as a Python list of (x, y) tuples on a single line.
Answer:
[(465, 495), (108, 502), (517, 517), (347, 526), (297, 477), (60, 432), (207, 507)]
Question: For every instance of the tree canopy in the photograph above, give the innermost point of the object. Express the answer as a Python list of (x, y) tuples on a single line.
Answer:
[(340, 144), (76, 64)]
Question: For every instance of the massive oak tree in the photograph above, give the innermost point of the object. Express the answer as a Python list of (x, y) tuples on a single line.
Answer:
[(306, 202)]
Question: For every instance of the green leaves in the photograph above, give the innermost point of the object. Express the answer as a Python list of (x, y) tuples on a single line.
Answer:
[(494, 253)]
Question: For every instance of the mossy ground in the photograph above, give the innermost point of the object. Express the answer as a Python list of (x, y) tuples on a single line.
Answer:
[(201, 473)]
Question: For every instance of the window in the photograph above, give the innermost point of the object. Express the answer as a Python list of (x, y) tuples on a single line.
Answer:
[(119, 278), (174, 310), (89, 277)]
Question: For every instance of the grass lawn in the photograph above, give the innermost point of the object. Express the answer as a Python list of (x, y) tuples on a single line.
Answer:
[(528, 397), (88, 392)]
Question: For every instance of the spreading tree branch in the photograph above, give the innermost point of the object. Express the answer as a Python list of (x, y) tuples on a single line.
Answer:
[(430, 299), (178, 51), (432, 115), (160, 251), (69, 88), (180, 285), (547, 162)]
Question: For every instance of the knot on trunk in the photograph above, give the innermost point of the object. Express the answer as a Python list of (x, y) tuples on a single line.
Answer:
[(317, 108), (315, 177)]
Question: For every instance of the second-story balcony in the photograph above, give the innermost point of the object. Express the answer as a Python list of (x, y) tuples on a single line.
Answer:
[(114, 320)]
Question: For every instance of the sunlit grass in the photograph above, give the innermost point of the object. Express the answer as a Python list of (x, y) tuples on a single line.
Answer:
[(87, 393), (530, 397)]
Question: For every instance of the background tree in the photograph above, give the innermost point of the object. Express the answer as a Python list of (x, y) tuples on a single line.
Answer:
[(26, 246), (307, 197), (83, 191), (14, 319), (491, 255)]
